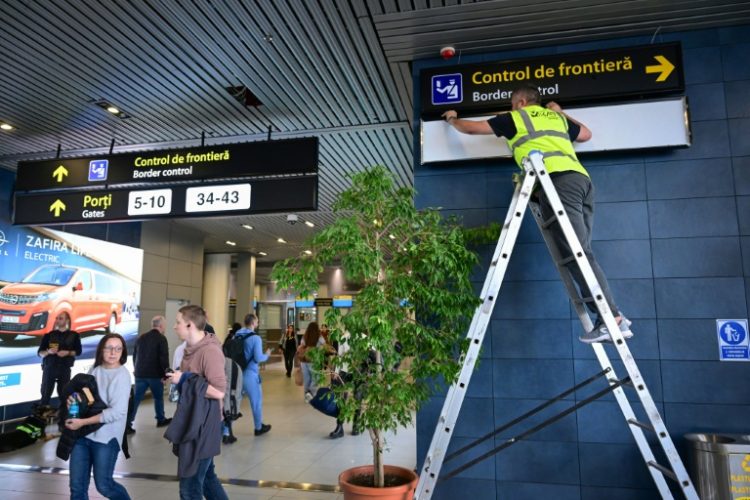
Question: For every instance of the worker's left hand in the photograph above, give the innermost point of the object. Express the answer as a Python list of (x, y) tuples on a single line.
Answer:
[(554, 106), (448, 115)]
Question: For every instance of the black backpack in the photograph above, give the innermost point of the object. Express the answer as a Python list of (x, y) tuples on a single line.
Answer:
[(233, 394), (234, 349)]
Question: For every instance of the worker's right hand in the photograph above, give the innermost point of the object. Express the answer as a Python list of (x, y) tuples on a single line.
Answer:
[(554, 106), (449, 115)]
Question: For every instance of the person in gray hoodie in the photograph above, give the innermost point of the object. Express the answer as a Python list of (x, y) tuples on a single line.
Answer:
[(205, 358)]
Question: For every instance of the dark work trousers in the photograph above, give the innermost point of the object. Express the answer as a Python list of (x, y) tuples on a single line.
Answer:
[(577, 196), (289, 358), (51, 375)]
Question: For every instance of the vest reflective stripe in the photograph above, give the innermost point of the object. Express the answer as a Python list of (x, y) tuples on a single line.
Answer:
[(546, 132)]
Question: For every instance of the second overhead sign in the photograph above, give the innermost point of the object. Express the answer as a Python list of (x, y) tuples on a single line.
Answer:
[(586, 76)]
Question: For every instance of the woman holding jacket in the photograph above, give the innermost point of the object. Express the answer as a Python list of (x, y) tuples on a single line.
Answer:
[(99, 449)]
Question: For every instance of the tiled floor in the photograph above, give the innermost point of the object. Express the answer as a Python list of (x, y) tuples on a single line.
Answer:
[(297, 450)]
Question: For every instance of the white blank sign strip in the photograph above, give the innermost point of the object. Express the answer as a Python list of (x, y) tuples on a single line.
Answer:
[(616, 127)]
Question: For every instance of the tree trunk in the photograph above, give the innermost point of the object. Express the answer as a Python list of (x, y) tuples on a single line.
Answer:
[(377, 450)]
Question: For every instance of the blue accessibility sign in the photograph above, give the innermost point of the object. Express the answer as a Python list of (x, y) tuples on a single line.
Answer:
[(447, 89), (734, 343), (98, 170)]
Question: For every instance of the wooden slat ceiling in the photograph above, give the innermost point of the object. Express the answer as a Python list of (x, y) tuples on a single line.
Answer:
[(336, 69)]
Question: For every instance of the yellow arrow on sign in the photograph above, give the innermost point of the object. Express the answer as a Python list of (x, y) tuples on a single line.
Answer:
[(664, 67), (60, 172), (57, 207)]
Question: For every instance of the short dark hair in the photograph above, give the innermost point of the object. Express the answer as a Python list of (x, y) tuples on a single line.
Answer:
[(100, 349), (249, 318), (194, 314), (529, 92)]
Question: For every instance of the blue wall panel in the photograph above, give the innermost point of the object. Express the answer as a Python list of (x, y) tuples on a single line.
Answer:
[(689, 178), (741, 167), (697, 257), (684, 418), (620, 182), (530, 461), (743, 210), (734, 61), (700, 298), (736, 94), (516, 491), (706, 101), (692, 217), (702, 65), (531, 338), (672, 232), (688, 339), (705, 382), (507, 410), (739, 131)]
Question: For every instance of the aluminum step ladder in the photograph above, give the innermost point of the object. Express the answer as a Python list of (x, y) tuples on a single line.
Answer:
[(535, 173)]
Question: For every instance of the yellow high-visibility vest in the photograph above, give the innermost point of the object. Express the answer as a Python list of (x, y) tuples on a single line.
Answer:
[(541, 129)]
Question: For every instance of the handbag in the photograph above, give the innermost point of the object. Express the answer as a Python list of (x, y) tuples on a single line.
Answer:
[(298, 376), (325, 402)]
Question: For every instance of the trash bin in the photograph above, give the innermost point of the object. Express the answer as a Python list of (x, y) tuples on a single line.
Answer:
[(720, 465)]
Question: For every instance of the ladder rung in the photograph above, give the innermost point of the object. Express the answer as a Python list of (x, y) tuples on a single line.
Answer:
[(642, 425), (667, 472), (587, 300), (549, 222), (566, 260)]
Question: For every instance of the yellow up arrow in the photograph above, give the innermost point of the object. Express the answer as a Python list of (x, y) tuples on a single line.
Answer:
[(57, 207), (664, 67), (60, 172)]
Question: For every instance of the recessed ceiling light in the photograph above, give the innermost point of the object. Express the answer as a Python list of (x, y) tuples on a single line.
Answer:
[(281, 240), (308, 252), (262, 254), (247, 226), (231, 243), (6, 126), (111, 108), (309, 224)]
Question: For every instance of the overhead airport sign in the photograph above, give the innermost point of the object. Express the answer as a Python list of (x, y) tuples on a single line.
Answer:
[(107, 205), (290, 156), (605, 74)]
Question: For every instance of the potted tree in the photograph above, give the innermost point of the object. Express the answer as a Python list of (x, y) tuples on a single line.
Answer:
[(405, 333)]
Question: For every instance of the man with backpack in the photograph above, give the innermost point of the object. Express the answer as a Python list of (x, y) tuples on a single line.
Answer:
[(249, 358)]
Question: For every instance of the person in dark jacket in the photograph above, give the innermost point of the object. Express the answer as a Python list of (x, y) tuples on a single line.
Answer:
[(58, 351), (195, 426), (151, 359), (288, 345)]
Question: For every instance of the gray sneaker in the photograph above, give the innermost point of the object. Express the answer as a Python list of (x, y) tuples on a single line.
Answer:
[(600, 333)]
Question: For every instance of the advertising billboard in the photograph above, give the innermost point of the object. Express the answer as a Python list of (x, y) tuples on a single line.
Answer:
[(44, 272)]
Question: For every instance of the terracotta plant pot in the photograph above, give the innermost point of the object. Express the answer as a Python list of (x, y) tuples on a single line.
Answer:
[(355, 492)]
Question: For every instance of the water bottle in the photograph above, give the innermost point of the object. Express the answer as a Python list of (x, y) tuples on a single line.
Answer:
[(73, 410)]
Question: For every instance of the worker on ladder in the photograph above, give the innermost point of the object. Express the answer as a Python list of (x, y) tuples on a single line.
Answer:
[(531, 127)]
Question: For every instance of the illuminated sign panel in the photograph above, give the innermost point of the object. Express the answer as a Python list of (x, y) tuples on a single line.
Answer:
[(191, 182), (613, 73), (178, 201), (291, 156)]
